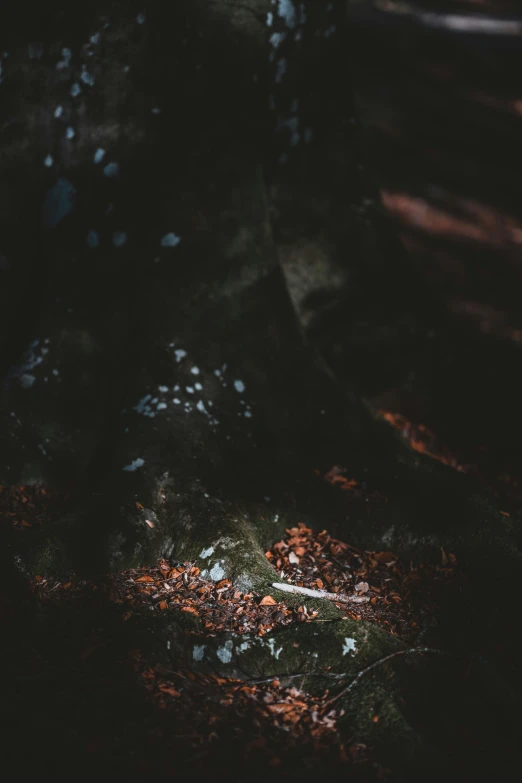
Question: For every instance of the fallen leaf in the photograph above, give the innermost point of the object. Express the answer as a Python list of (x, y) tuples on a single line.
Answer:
[(280, 708), (166, 688), (145, 578), (362, 587), (267, 601), (384, 557)]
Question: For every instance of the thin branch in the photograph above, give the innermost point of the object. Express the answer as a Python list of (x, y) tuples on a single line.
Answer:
[(360, 675), (340, 597), (461, 23)]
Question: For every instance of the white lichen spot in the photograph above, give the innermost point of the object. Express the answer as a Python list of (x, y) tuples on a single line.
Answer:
[(217, 572), (99, 155), (48, 161), (201, 407), (269, 19), (286, 10), (156, 110), (225, 653), (142, 406), (239, 386), (66, 61), (111, 170), (206, 552), (75, 90), (87, 78), (180, 354), (140, 18), (243, 647), (27, 380), (161, 406), (198, 652), (58, 111), (170, 240), (272, 644), (119, 238), (329, 31), (248, 414), (276, 39), (189, 389), (135, 464), (198, 386), (176, 401), (163, 389), (349, 645), (70, 133), (194, 370)]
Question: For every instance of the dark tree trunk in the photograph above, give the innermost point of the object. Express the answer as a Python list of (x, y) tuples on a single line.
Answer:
[(184, 212)]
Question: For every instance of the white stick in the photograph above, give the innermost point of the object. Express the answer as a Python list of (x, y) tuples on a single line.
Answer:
[(341, 597)]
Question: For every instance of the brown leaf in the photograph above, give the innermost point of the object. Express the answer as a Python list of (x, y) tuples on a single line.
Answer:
[(166, 688), (138, 505), (280, 708), (384, 557), (267, 601), (162, 605), (145, 578)]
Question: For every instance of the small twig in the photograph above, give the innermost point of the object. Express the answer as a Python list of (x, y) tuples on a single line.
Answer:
[(340, 597), (372, 666)]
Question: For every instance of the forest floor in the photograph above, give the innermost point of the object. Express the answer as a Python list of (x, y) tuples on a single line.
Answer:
[(84, 692)]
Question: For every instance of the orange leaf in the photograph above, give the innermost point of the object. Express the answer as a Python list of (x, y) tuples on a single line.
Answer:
[(138, 505), (162, 604), (165, 688), (279, 708), (384, 557), (189, 609), (267, 601), (145, 578)]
